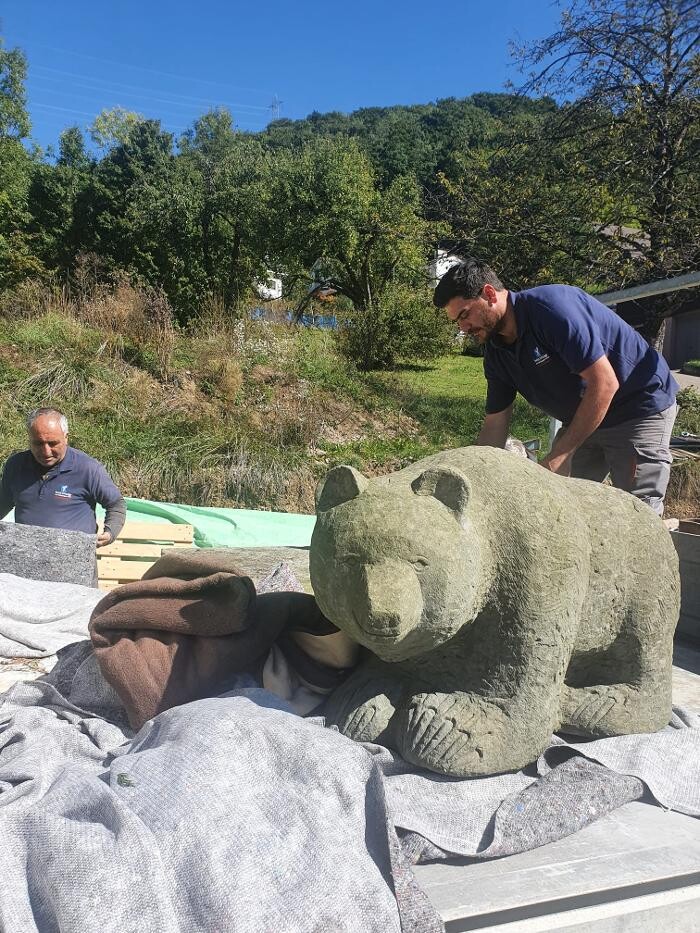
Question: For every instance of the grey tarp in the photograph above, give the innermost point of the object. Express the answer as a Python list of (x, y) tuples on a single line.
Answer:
[(39, 617), (561, 793)]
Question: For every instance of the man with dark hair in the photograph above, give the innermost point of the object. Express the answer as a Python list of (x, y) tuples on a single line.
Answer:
[(56, 486), (579, 362)]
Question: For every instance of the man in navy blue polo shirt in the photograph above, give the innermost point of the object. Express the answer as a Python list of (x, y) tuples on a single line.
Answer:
[(57, 486), (579, 362)]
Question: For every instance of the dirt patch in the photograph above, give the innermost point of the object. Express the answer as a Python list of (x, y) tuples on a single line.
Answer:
[(343, 423), (268, 375), (9, 353)]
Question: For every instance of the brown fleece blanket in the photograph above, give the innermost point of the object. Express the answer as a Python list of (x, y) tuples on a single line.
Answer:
[(165, 641), (189, 563)]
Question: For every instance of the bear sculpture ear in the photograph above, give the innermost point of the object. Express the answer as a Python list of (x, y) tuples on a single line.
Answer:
[(447, 485), (341, 484)]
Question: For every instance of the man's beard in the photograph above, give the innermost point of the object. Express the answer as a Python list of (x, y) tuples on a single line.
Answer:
[(488, 329)]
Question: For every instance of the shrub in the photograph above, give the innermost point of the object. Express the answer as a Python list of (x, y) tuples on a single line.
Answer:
[(32, 298), (688, 418), (402, 324), (691, 367)]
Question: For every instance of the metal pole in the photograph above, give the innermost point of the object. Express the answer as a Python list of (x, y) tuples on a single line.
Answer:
[(554, 426)]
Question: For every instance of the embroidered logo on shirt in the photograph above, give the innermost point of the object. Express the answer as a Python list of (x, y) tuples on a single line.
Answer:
[(63, 493), (539, 356)]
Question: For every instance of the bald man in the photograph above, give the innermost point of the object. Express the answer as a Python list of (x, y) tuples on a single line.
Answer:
[(56, 486)]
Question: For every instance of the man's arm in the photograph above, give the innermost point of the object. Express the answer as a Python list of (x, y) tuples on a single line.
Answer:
[(115, 516), (601, 386), (494, 430), (110, 498)]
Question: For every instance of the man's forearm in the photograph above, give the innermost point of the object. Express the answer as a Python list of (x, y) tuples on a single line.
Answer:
[(592, 408), (589, 414), (115, 516), (494, 430), (601, 386)]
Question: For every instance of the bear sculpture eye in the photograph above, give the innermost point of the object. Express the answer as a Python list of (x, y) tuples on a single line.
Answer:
[(419, 563)]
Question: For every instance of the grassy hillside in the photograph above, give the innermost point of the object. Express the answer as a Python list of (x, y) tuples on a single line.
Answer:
[(235, 413)]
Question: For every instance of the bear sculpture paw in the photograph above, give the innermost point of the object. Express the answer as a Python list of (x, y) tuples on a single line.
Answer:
[(458, 733)]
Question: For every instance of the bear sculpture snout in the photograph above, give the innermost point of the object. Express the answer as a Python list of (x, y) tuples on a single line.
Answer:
[(391, 602)]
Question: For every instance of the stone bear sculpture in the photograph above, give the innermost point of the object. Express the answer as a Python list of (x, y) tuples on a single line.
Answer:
[(499, 603)]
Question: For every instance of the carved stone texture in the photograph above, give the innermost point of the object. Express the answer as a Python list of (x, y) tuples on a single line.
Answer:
[(499, 602), (48, 554)]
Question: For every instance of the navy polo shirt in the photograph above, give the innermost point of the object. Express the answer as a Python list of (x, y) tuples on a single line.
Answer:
[(562, 331), (63, 496)]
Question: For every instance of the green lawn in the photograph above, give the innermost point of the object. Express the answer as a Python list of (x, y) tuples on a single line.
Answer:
[(446, 398)]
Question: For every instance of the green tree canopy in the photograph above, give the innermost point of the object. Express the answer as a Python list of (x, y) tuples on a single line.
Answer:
[(17, 253), (636, 66)]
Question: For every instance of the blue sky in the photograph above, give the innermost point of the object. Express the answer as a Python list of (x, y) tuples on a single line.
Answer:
[(174, 60)]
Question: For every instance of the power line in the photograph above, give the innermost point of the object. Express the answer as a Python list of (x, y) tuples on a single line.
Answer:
[(83, 113), (166, 74), (102, 102), (109, 85)]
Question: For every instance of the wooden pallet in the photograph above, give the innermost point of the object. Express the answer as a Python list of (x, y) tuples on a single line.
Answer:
[(138, 547)]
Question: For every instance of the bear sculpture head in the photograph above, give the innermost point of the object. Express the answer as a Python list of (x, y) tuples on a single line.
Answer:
[(395, 565)]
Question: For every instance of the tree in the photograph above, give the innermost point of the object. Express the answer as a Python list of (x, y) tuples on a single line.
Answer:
[(54, 193), (223, 171), (635, 66), (400, 146), (17, 254), (14, 119), (114, 126), (128, 213), (326, 209), (530, 210)]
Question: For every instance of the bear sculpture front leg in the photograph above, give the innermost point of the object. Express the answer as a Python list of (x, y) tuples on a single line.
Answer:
[(363, 707), (463, 734)]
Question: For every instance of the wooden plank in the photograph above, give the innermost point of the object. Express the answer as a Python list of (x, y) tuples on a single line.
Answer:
[(113, 568), (121, 548), (107, 584), (156, 531)]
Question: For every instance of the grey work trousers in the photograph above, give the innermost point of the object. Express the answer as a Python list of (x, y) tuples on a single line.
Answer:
[(635, 453)]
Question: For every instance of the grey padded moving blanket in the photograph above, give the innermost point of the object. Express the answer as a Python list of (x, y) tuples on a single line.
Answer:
[(227, 814), (39, 617), (234, 814)]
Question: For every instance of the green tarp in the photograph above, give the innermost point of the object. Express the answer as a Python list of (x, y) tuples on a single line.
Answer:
[(228, 527)]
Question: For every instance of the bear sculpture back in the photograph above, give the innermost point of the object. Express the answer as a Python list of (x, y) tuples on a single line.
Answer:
[(499, 603)]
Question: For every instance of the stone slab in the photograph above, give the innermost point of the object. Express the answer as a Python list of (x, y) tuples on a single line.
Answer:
[(48, 554), (637, 869), (257, 562), (687, 542)]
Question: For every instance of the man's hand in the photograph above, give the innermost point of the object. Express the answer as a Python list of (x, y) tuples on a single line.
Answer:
[(103, 538), (558, 463)]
